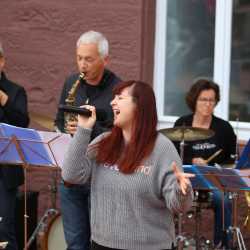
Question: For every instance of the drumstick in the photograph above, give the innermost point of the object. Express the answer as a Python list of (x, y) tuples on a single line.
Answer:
[(213, 155)]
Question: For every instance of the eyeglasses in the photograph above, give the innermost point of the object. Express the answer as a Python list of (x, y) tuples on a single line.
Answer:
[(212, 101)]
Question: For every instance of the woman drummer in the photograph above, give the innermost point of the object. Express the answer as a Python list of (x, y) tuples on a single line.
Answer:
[(202, 99)]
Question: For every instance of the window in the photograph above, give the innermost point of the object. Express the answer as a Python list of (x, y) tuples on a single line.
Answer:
[(189, 51), (239, 104), (193, 39)]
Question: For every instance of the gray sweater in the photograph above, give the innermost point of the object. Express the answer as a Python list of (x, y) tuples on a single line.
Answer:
[(129, 211)]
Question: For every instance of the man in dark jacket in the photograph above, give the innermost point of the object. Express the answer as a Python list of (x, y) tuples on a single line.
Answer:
[(13, 110)]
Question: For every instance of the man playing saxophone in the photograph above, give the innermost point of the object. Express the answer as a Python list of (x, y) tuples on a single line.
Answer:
[(94, 88)]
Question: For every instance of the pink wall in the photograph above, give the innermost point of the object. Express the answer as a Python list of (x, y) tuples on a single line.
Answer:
[(39, 39)]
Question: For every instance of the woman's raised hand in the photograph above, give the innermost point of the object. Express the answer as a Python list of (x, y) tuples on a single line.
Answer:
[(182, 178)]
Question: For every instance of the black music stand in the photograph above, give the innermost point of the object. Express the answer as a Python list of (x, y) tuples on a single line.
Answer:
[(228, 180), (30, 148)]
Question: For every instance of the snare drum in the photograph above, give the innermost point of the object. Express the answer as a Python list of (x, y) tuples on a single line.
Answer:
[(52, 237)]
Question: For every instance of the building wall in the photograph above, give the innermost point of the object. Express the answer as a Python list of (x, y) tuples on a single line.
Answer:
[(39, 39)]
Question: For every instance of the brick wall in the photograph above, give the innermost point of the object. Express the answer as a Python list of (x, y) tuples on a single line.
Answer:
[(39, 39)]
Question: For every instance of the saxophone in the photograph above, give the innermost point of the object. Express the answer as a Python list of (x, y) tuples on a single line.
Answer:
[(247, 220), (70, 100)]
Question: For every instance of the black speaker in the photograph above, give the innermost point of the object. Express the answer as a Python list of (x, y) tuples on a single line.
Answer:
[(32, 206)]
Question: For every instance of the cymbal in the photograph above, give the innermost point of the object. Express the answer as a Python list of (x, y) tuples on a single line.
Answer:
[(42, 120), (187, 133)]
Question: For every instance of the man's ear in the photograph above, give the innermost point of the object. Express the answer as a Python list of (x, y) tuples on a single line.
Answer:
[(2, 63), (106, 60)]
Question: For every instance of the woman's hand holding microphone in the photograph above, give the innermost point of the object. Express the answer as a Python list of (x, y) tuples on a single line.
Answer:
[(87, 122)]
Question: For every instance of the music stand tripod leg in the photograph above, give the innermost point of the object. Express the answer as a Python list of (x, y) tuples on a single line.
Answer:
[(15, 141), (49, 212), (25, 210), (235, 230)]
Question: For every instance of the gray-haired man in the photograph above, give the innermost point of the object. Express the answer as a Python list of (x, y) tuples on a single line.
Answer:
[(92, 56)]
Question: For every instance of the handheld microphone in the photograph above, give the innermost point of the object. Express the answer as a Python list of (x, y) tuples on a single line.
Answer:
[(101, 115)]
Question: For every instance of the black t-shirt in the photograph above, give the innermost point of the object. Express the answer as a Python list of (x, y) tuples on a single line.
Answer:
[(224, 138)]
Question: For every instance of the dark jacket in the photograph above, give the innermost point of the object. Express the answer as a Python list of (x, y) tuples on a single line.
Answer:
[(99, 96), (15, 113)]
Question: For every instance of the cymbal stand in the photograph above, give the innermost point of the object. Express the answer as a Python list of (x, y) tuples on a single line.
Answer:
[(49, 212), (182, 144), (25, 165), (223, 216), (237, 235), (180, 238)]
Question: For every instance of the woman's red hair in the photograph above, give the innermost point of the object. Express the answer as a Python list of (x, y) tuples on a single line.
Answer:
[(112, 149)]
